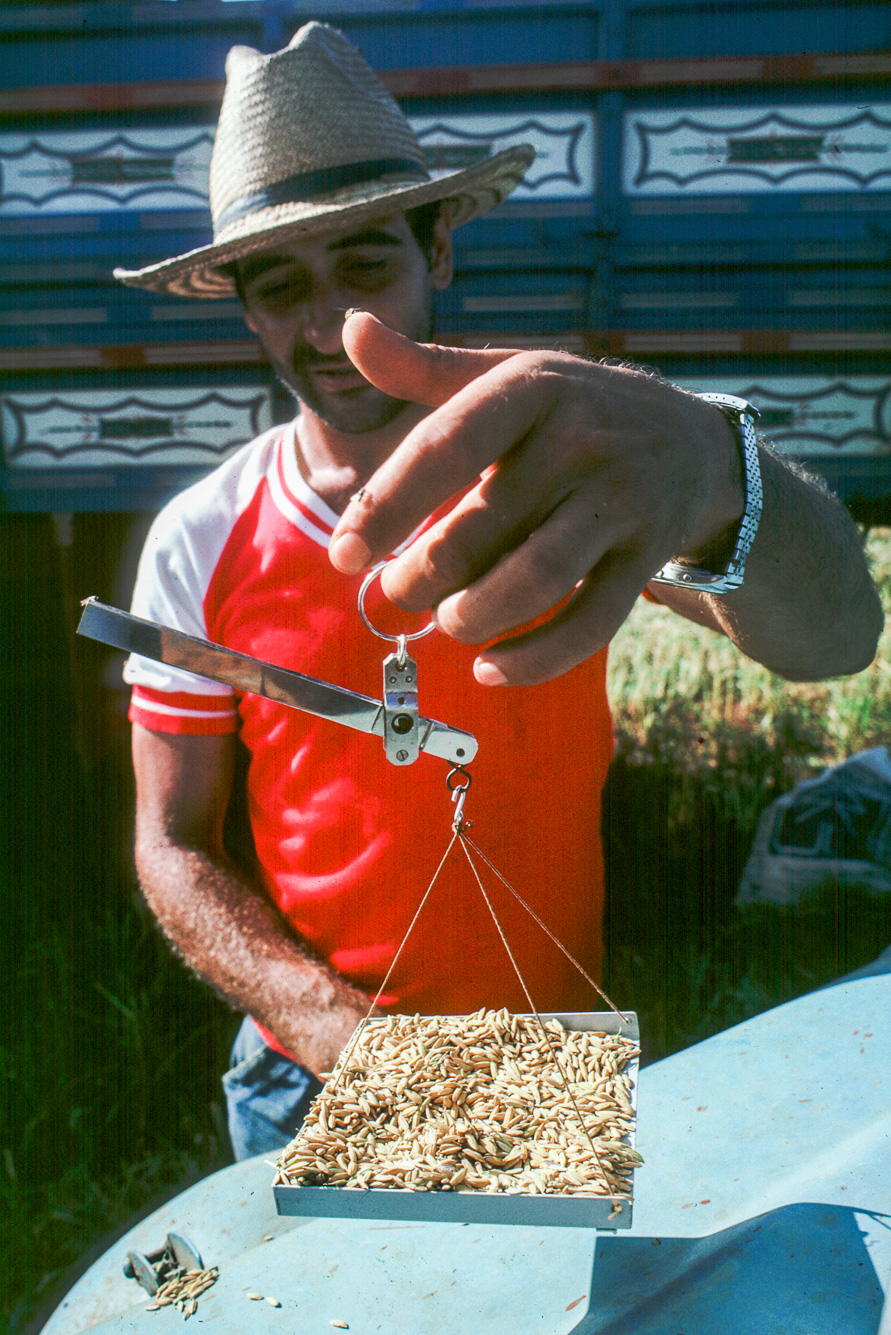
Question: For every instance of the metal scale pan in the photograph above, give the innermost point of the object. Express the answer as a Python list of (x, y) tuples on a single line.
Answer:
[(480, 1207)]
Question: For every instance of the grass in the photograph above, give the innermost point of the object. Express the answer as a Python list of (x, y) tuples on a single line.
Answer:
[(110, 1092), (673, 683), (705, 741), (110, 1061)]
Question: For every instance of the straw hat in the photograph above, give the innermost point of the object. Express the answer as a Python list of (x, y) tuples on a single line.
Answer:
[(309, 140)]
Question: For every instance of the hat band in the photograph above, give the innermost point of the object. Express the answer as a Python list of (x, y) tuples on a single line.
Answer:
[(307, 185)]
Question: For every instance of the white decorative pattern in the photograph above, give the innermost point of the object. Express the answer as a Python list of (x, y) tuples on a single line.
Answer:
[(74, 171), (139, 428), (739, 150), (564, 145), (102, 171), (812, 415)]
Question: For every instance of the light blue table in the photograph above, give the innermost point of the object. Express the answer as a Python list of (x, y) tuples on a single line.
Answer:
[(764, 1208)]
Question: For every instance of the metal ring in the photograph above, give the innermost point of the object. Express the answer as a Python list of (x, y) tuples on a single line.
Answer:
[(398, 639), (458, 787)]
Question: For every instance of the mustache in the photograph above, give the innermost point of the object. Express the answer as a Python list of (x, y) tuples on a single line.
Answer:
[(307, 358)]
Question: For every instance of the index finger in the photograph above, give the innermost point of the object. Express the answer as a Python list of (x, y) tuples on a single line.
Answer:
[(442, 455)]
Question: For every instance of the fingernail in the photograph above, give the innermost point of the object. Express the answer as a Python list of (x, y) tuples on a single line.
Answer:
[(487, 674), (349, 554)]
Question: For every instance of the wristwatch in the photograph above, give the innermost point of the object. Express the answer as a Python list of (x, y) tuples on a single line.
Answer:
[(742, 416)]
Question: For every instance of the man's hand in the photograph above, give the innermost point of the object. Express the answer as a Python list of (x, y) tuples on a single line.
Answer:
[(584, 480)]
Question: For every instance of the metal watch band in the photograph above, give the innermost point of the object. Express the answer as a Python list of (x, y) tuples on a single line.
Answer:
[(742, 416)]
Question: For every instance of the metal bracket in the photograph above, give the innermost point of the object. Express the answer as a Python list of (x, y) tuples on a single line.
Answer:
[(151, 1269), (401, 736)]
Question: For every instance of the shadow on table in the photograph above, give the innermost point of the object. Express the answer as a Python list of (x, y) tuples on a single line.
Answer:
[(801, 1270)]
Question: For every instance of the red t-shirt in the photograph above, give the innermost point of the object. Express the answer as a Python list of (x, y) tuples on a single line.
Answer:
[(347, 842)]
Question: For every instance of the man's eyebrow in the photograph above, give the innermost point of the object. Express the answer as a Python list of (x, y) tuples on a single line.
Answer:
[(255, 265), (371, 236)]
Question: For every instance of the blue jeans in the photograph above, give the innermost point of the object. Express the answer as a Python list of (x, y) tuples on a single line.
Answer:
[(267, 1095)]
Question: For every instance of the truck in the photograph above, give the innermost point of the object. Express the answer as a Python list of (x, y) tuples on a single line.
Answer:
[(710, 196)]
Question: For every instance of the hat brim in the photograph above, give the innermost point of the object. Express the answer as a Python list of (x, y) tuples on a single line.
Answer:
[(471, 193)]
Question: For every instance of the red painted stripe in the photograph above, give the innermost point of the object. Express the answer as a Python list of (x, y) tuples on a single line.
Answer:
[(172, 354), (113, 96), (468, 80), (126, 355), (591, 342), (641, 342), (123, 357), (615, 74)]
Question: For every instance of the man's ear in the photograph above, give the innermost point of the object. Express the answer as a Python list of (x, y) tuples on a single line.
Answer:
[(442, 256)]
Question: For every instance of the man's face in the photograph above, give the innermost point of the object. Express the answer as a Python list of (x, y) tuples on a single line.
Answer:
[(296, 296)]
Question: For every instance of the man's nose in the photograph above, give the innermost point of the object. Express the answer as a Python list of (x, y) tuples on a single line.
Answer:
[(323, 319)]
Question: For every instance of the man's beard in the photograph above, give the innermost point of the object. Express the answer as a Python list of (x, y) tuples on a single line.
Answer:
[(353, 411)]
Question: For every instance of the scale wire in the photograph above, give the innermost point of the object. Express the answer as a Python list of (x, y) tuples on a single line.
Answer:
[(380, 991), (548, 1037), (544, 927)]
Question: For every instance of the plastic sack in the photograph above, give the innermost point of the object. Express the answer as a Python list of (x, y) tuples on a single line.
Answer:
[(828, 833)]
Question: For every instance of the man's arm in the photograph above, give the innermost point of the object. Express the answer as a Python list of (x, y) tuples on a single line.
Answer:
[(585, 479), (222, 925), (806, 584)]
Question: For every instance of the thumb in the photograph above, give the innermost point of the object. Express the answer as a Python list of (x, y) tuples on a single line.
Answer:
[(417, 372)]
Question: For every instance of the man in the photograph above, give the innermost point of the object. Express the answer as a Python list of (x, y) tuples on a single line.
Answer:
[(552, 483)]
